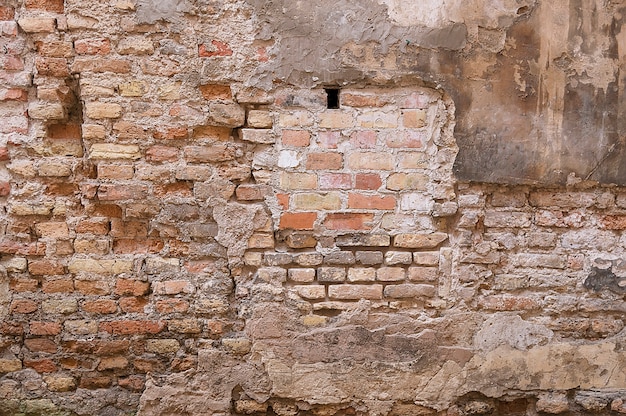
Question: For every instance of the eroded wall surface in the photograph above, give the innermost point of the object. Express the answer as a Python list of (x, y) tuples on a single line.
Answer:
[(190, 225)]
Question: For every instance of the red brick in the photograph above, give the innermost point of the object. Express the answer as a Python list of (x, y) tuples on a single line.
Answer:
[(4, 154), (7, 13), (45, 267), (62, 189), (130, 327), (104, 210), (131, 287), (161, 154), (182, 189), (252, 192), (14, 94), (614, 222), (58, 286), (215, 49), (120, 172), (324, 161), (24, 285), (55, 48), (23, 306), (100, 348), (329, 139), (11, 328), (5, 188), (53, 67), (297, 220), (92, 287), (348, 221), (296, 138), (55, 6), (102, 306), (365, 139), (368, 181), (41, 366), (172, 306), (99, 46), (41, 345), (360, 201), (209, 154), (216, 92), (283, 200), (133, 304), (44, 328), (132, 383), (172, 133), (24, 249)]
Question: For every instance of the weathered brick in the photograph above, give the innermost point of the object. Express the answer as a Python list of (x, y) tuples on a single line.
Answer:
[(340, 258), (259, 119), (378, 119), (507, 219), (426, 258), (112, 363), (173, 287), (60, 383), (390, 274), (46, 111), (122, 192), (312, 292), (263, 136), (215, 92), (52, 229), (64, 285), (423, 274), (162, 346), (98, 110), (361, 274), (133, 304), (215, 49), (45, 267), (132, 89), (185, 326), (100, 65), (335, 119), (100, 306), (302, 275), (7, 13), (402, 181), (509, 303), (297, 220), (335, 180), (324, 161), (62, 306), (135, 46), (414, 118), (105, 266), (562, 199), (311, 201), (209, 154), (553, 261), (37, 24), (172, 306), (393, 258), (408, 290), (23, 306), (355, 292), (132, 327), (95, 46), (131, 287), (8, 365), (410, 139), (331, 274), (363, 240), (298, 180)]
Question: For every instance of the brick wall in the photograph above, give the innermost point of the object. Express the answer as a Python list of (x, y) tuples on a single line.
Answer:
[(176, 241)]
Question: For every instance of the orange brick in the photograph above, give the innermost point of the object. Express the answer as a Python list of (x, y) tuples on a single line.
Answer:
[(172, 306), (100, 46), (348, 221), (55, 48), (128, 229), (215, 49), (132, 246), (172, 133), (324, 161), (101, 65), (55, 6), (216, 92), (99, 226), (161, 154), (361, 201), (252, 192), (24, 285), (43, 365), (121, 192), (41, 345), (297, 220), (296, 138), (53, 67), (23, 306), (115, 172), (92, 287), (283, 200), (7, 13)]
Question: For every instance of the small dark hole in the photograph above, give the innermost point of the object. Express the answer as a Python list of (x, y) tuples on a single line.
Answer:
[(522, 10), (332, 97)]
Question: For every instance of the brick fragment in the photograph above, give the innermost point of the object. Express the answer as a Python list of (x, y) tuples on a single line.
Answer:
[(37, 24), (355, 292), (132, 327), (310, 292), (214, 49), (409, 290)]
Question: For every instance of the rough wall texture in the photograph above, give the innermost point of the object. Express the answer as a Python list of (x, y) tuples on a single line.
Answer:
[(189, 229)]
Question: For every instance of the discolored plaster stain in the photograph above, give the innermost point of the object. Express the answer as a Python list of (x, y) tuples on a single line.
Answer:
[(600, 279), (537, 85)]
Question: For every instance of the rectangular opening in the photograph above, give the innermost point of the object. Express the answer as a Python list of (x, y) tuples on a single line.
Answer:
[(332, 98)]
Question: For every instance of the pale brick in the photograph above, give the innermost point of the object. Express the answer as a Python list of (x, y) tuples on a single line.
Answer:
[(52, 230), (135, 46), (263, 136), (371, 161), (60, 383), (336, 119), (378, 120), (310, 201), (112, 266), (173, 287), (542, 240), (393, 258), (553, 261), (114, 151), (361, 274), (408, 290), (507, 219), (8, 365), (331, 274), (97, 110), (62, 306), (413, 118), (562, 199), (239, 346), (339, 258), (311, 292), (226, 114), (298, 180), (363, 240), (132, 89), (15, 264), (157, 265), (93, 131), (309, 259), (295, 119), (46, 111), (355, 292), (37, 24), (369, 257), (54, 169), (402, 181), (423, 274), (272, 274), (390, 274), (416, 202), (302, 275), (260, 119), (426, 258), (170, 91)]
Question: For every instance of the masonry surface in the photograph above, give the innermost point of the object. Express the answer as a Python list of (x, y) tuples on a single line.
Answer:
[(190, 225)]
